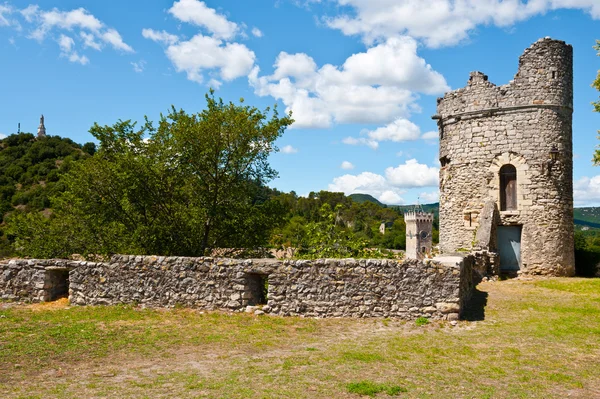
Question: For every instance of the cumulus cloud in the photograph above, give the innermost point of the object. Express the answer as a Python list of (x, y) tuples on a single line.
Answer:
[(288, 149), (214, 54), (347, 165), (197, 13), (398, 131), (389, 188), (2, 136), (586, 191), (367, 183), (441, 22), (201, 53), (413, 174), (375, 86)]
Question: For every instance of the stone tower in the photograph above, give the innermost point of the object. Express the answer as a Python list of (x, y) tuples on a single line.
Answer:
[(418, 233), (41, 128), (506, 182)]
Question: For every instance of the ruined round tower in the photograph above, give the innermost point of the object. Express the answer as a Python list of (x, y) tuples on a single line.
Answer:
[(506, 177)]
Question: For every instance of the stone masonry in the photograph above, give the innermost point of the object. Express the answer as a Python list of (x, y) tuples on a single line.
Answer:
[(319, 288), (510, 147), (419, 227)]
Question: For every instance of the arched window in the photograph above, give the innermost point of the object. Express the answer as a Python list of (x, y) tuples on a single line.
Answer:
[(508, 188)]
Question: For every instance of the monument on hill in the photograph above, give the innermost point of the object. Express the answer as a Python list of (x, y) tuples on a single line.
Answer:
[(41, 128)]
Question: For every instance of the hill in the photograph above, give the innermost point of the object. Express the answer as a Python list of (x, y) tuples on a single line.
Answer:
[(30, 169), (588, 217), (360, 198)]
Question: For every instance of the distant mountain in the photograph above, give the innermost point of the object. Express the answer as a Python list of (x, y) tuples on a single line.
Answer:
[(589, 217), (360, 198), (435, 208)]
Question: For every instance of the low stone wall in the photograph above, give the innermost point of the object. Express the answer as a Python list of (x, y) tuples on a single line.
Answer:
[(33, 280), (320, 288)]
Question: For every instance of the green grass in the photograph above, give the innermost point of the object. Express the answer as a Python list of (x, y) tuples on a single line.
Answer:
[(538, 339), (369, 388)]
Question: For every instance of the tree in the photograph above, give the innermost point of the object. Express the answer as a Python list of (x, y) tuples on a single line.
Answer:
[(194, 182), (596, 104)]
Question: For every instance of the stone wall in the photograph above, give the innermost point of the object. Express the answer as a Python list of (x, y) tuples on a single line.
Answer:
[(34, 280), (320, 288), (483, 127)]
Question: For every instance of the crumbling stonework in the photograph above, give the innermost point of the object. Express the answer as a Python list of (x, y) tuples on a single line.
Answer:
[(489, 133), (320, 288)]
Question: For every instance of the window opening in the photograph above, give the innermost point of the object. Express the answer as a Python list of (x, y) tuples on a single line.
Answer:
[(257, 289), (57, 284), (508, 188)]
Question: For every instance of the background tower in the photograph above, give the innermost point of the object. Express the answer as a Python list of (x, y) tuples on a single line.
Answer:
[(510, 147), (418, 233)]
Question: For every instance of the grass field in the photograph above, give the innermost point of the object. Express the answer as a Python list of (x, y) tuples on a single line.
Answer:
[(532, 339)]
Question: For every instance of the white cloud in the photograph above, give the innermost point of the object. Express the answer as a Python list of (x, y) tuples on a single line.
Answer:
[(441, 22), (83, 28), (586, 191), (361, 141), (389, 188), (113, 37), (430, 197), (376, 86), (257, 32), (391, 198), (161, 37), (367, 183), (5, 11), (139, 66), (197, 13), (433, 135), (30, 12), (2, 136), (66, 45), (288, 149), (81, 59), (203, 53), (413, 174), (347, 165), (214, 55), (89, 41), (398, 131)]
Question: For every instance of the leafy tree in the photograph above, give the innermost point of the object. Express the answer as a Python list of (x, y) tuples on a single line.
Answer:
[(596, 104), (192, 183)]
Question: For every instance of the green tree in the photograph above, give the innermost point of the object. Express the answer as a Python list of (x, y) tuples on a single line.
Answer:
[(192, 183), (596, 104)]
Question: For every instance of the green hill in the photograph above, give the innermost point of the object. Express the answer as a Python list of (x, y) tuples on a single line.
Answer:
[(360, 198), (30, 169)]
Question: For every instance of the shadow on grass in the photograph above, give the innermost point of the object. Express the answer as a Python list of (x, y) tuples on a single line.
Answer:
[(475, 309)]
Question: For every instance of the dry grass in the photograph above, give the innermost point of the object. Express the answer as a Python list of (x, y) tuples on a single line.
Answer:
[(533, 339)]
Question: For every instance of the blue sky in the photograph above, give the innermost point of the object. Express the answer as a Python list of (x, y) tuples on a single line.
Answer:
[(361, 76)]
